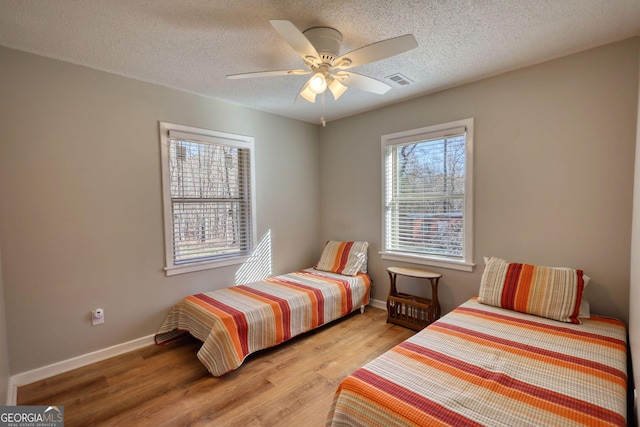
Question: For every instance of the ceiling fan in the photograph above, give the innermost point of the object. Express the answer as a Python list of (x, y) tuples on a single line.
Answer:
[(319, 48)]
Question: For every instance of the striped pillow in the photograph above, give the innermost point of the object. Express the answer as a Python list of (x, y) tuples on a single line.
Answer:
[(345, 258), (554, 293)]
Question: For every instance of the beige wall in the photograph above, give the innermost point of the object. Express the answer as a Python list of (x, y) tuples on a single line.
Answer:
[(81, 225), (4, 351), (634, 293), (553, 171), (81, 218)]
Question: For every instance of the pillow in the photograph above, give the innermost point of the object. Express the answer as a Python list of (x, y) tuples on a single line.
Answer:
[(586, 279), (554, 293), (345, 258), (363, 267), (585, 309)]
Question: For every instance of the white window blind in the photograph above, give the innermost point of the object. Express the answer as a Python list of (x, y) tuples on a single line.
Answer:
[(427, 195), (209, 204)]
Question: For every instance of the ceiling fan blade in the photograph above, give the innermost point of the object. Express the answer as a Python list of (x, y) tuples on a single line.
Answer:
[(361, 82), (376, 51), (306, 93), (268, 74), (298, 41)]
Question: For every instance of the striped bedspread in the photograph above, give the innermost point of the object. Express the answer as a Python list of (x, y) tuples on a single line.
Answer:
[(485, 366), (235, 322)]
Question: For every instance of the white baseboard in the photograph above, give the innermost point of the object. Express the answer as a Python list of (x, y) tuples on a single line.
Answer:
[(378, 304), (86, 359), (66, 365)]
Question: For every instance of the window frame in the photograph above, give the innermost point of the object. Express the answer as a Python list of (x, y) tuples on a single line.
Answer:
[(420, 135), (200, 135)]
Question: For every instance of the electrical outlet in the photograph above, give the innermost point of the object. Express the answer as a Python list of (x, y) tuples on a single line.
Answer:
[(97, 316)]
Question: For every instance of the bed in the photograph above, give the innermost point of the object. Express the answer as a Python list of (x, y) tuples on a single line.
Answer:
[(492, 362), (234, 322)]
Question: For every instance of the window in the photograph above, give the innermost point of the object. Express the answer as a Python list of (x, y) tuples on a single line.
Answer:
[(427, 198), (207, 182)]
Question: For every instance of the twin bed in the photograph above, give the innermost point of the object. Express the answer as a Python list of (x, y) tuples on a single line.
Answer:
[(484, 365), (519, 354), (235, 322)]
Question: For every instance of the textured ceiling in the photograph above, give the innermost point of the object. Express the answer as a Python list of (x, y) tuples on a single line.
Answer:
[(193, 44)]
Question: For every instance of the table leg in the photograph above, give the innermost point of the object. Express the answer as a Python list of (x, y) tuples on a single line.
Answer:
[(434, 310), (392, 290)]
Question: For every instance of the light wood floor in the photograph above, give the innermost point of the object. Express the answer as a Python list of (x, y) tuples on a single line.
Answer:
[(289, 385)]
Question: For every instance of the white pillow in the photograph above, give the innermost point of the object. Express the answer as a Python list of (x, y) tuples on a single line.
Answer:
[(585, 308)]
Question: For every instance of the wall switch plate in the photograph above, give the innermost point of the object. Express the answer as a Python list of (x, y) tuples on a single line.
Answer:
[(97, 316)]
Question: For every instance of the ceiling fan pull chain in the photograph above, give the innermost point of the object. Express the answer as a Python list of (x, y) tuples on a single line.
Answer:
[(322, 121)]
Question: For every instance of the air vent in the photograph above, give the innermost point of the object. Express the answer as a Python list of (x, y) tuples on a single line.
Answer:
[(399, 79)]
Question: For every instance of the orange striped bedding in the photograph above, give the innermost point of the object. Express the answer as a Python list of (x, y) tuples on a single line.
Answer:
[(487, 366), (235, 322)]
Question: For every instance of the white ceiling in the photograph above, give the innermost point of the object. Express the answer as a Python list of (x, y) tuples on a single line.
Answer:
[(193, 44)]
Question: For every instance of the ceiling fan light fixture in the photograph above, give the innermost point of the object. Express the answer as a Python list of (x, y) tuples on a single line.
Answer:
[(318, 83), (336, 88), (308, 94), (319, 48)]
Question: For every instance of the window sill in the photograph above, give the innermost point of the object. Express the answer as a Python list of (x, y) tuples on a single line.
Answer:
[(433, 262), (204, 265)]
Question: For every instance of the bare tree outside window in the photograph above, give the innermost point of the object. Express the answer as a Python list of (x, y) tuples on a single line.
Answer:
[(428, 195), (207, 199), (429, 200)]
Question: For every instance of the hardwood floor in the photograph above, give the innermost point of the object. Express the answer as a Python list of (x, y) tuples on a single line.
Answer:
[(289, 385)]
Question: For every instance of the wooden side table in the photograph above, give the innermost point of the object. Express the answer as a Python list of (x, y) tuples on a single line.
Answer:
[(409, 310)]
